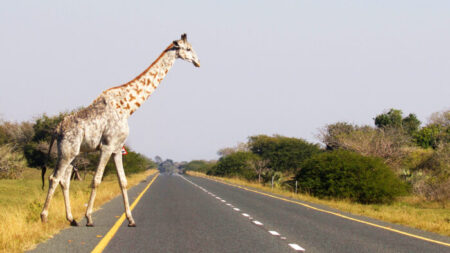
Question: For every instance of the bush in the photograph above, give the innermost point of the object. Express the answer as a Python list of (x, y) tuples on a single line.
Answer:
[(386, 143), (199, 165), (36, 155), (329, 135), (436, 132), (283, 154), (235, 164), (348, 175), (12, 163), (428, 137), (17, 134), (433, 176)]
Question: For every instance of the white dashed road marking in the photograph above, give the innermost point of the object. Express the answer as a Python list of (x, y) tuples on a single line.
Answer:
[(294, 246), (274, 233), (257, 223)]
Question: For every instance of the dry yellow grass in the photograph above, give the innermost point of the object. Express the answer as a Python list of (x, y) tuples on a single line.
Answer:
[(408, 211), (21, 203)]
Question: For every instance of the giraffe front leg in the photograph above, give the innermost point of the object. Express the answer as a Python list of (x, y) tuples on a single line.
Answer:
[(123, 186), (65, 185), (104, 157)]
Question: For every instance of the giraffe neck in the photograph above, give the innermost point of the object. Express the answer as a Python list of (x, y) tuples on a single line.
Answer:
[(127, 98)]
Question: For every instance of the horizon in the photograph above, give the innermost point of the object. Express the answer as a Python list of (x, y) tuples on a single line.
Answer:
[(287, 68)]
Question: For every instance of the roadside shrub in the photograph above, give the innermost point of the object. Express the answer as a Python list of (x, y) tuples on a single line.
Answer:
[(12, 163), (347, 175), (434, 176), (386, 143), (436, 132), (199, 165), (235, 164), (412, 162), (428, 137)]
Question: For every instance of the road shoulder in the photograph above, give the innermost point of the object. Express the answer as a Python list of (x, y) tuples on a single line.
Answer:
[(84, 239)]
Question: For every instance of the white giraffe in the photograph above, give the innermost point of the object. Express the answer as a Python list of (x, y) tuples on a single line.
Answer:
[(103, 126)]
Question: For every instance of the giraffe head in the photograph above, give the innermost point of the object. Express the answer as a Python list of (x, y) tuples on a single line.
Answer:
[(185, 51)]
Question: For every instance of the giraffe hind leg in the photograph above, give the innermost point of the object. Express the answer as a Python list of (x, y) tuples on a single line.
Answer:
[(54, 180)]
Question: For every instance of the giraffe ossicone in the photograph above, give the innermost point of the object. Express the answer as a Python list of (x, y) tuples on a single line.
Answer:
[(103, 125)]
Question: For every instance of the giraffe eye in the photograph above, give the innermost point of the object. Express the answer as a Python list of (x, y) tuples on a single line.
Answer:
[(188, 49)]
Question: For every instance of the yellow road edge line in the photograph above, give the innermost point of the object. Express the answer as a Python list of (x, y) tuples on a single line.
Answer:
[(332, 213), (107, 238)]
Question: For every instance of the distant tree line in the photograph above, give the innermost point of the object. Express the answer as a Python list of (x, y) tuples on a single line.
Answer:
[(168, 165), (367, 164), (26, 144)]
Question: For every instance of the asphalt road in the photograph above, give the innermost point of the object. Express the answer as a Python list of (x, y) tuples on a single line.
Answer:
[(190, 214)]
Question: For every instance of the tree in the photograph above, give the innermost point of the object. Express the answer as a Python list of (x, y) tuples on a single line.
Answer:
[(45, 125), (158, 159), (440, 118), (227, 151), (259, 165), (235, 164), (168, 166), (393, 118), (36, 149), (411, 124), (283, 153), (329, 135)]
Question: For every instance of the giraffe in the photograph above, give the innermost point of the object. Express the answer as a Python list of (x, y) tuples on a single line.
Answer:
[(103, 125)]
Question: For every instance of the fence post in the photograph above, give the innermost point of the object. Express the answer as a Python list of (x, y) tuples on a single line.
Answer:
[(295, 186), (272, 182)]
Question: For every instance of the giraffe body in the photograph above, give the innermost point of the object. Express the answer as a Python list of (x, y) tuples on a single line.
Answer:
[(103, 126)]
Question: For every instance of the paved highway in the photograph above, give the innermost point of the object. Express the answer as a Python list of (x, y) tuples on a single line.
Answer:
[(191, 214)]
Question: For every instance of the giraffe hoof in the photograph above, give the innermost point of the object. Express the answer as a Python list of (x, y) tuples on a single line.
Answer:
[(44, 218), (74, 223), (132, 225), (89, 224)]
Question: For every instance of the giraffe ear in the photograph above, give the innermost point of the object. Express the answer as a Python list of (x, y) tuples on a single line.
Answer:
[(175, 43), (184, 37)]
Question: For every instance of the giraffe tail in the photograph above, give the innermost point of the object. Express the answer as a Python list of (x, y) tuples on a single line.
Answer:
[(44, 166)]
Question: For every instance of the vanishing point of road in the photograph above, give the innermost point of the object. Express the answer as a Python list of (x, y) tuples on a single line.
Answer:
[(181, 213)]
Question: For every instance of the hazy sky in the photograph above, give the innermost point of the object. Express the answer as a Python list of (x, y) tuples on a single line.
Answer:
[(267, 67)]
